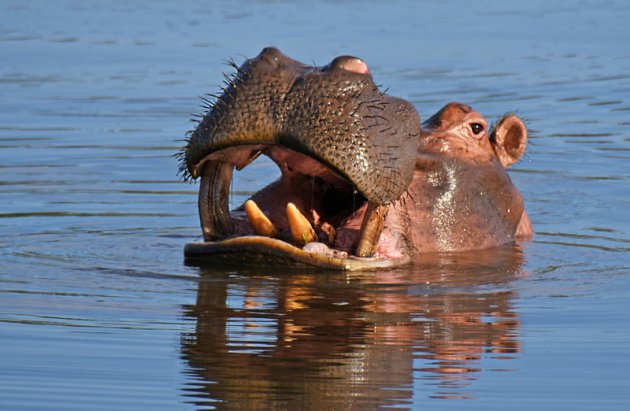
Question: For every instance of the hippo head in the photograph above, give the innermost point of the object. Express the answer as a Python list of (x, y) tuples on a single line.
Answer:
[(362, 184), (461, 197)]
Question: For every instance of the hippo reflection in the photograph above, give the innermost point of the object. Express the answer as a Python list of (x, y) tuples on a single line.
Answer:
[(306, 341), (363, 184)]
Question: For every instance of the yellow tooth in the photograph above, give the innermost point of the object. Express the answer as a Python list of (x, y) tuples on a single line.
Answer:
[(301, 230), (371, 229), (259, 222)]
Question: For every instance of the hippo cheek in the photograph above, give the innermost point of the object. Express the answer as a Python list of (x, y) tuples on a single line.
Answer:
[(345, 151)]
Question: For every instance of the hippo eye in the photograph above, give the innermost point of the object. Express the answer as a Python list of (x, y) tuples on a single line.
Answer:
[(476, 128)]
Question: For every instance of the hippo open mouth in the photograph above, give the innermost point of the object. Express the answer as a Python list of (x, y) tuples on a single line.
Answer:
[(346, 152)]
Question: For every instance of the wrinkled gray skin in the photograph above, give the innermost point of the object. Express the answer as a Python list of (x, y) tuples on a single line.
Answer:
[(354, 159), (337, 116)]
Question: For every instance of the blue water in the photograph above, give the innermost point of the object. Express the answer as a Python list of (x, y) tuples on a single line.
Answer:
[(98, 311)]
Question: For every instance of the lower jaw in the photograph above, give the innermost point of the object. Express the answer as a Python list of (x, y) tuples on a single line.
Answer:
[(266, 251), (221, 246)]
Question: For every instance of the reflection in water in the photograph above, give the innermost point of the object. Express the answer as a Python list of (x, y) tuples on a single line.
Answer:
[(266, 339)]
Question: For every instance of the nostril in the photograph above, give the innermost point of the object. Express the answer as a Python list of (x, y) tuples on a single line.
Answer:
[(271, 55), (356, 66), (349, 63), (270, 51)]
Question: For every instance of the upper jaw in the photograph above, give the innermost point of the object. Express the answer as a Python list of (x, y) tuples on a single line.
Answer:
[(332, 114)]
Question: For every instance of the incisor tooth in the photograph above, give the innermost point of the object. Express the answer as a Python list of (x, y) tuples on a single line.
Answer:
[(259, 222), (301, 230)]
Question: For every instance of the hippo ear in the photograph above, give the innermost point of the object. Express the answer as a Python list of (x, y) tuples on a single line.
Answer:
[(509, 139)]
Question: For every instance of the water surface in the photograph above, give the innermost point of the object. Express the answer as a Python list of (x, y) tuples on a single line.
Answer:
[(98, 311)]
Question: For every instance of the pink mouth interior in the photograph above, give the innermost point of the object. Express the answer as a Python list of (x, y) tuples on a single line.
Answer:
[(324, 197)]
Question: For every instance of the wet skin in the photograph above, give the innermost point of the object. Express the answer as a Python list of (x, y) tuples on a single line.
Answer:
[(364, 185)]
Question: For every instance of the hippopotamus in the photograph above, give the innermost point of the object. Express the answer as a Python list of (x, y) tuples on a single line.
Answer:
[(364, 184)]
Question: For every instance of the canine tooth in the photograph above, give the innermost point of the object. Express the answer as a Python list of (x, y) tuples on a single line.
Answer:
[(214, 190), (301, 229), (259, 221), (371, 229)]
